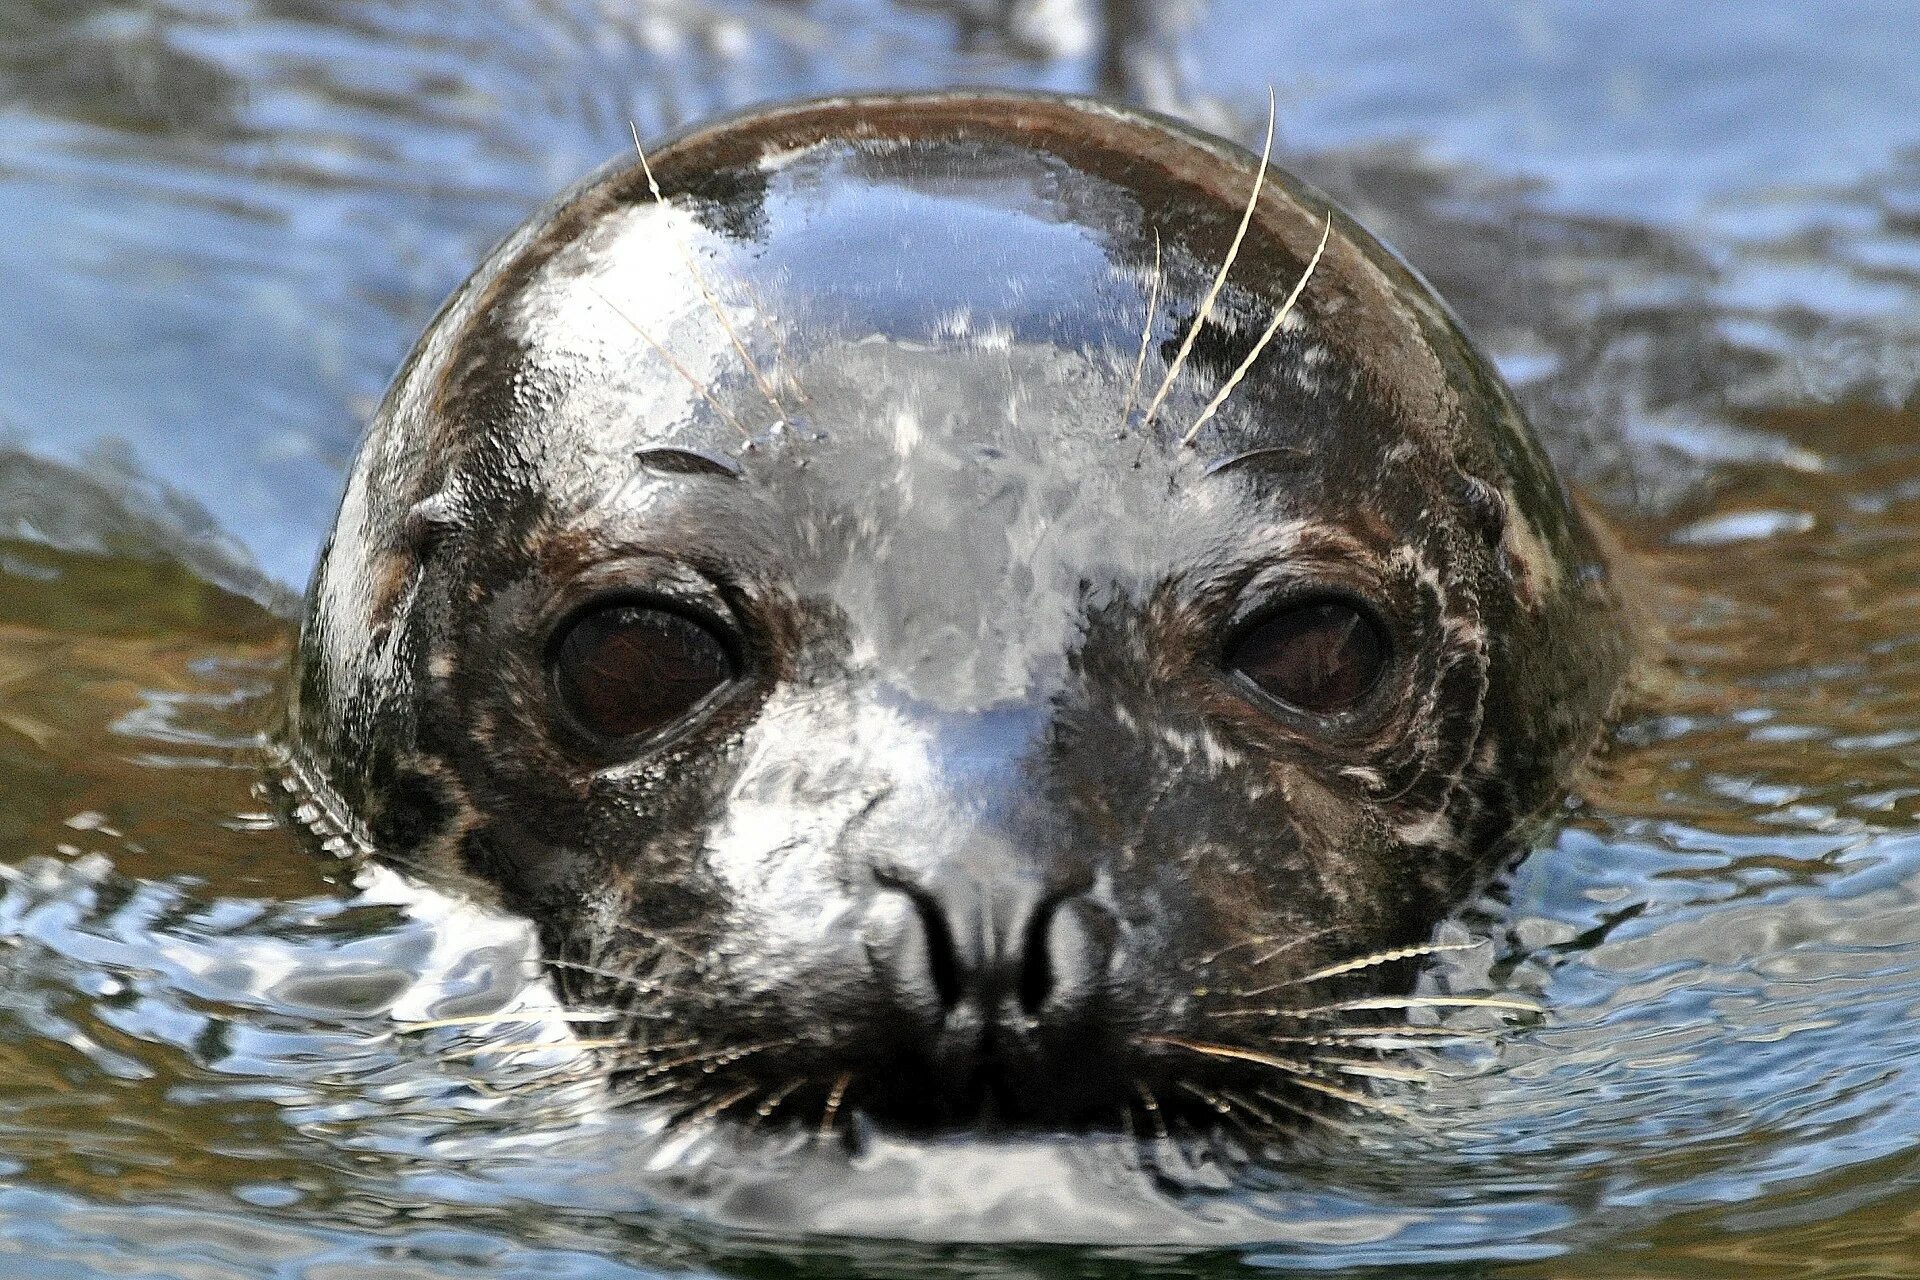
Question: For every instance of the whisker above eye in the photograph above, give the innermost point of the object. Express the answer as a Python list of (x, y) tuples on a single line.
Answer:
[(673, 361), (1260, 347), (700, 281), (1220, 280), (1146, 331)]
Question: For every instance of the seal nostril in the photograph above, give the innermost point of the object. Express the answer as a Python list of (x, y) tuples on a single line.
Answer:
[(993, 950), (1036, 967), (943, 962)]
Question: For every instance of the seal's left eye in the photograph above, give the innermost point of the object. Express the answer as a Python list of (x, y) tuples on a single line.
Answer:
[(628, 669)]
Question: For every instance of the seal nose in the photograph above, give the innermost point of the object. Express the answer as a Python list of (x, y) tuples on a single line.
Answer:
[(992, 952)]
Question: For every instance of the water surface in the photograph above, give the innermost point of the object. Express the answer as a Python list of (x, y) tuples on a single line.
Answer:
[(1691, 237)]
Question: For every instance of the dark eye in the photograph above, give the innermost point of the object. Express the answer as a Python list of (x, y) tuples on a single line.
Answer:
[(1322, 656), (630, 669)]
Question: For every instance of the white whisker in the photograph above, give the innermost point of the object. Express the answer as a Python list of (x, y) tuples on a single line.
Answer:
[(1146, 333), (1279, 318), (1219, 280), (705, 392), (700, 280), (1373, 961), (1307, 1113), (509, 1019)]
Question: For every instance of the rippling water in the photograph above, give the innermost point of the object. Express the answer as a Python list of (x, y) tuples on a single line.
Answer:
[(1690, 236)]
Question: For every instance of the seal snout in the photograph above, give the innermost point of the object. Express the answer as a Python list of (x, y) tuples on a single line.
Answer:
[(1003, 978)]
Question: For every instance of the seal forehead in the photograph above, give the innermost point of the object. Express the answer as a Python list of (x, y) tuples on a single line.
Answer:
[(934, 216), (1124, 180), (972, 241)]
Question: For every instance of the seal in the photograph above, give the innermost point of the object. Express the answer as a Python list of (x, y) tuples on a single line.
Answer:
[(966, 609)]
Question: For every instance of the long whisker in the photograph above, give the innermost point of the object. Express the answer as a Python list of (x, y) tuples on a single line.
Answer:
[(1415, 1002), (1359, 963), (793, 386), (1315, 1067), (1240, 1100), (658, 939), (614, 975), (771, 1103), (835, 1096), (1226, 1110), (1152, 1104), (629, 1095), (714, 1109), (1363, 1035), (1293, 1066), (1360, 1101), (1219, 280), (546, 1080), (480, 1051), (1298, 940), (1215, 1103), (1367, 1003), (1146, 333), (719, 1057), (1375, 1070), (1279, 318), (1307, 1113), (700, 281), (509, 1019), (705, 393)]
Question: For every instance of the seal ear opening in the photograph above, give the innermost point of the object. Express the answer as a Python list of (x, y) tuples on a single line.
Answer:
[(1486, 508)]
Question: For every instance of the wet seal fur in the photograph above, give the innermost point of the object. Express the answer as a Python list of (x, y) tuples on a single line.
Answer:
[(977, 421)]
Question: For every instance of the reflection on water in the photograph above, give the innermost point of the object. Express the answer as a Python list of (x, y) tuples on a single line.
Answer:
[(1693, 242)]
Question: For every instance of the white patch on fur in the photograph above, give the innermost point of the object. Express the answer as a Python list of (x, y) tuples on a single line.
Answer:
[(1523, 547), (1432, 830)]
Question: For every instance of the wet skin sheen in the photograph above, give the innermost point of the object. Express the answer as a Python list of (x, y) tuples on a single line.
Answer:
[(781, 593)]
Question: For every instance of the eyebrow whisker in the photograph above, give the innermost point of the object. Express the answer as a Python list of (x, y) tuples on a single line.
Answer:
[(1279, 318), (1146, 332), (700, 281), (1219, 280), (706, 393)]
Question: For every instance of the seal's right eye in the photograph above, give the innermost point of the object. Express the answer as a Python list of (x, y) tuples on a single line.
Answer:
[(1321, 656), (632, 669)]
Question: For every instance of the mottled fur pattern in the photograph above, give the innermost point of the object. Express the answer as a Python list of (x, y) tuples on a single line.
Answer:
[(981, 624)]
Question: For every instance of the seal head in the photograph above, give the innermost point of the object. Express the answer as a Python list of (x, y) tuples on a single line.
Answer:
[(923, 641)]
